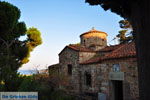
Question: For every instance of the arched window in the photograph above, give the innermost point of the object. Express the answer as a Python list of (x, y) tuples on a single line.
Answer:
[(69, 69), (88, 79), (116, 67)]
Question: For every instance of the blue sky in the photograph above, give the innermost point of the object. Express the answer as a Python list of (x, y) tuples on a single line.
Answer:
[(61, 22)]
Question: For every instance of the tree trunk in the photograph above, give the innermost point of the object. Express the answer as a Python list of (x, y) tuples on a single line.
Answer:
[(140, 20)]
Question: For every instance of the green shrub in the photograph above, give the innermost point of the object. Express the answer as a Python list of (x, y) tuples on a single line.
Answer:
[(60, 95)]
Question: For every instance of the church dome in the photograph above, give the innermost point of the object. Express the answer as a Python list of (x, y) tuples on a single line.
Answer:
[(94, 33), (94, 39)]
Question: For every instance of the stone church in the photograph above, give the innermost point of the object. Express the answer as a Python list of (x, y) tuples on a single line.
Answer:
[(95, 68)]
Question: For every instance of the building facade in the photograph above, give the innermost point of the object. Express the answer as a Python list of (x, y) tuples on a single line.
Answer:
[(92, 67)]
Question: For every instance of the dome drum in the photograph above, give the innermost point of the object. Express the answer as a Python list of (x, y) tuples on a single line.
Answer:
[(94, 39)]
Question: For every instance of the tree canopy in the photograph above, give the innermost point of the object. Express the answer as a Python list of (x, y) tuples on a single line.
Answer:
[(33, 40), (126, 34), (13, 51), (120, 7)]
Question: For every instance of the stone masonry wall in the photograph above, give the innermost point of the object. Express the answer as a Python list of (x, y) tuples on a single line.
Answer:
[(99, 74), (102, 83), (130, 82), (69, 56), (94, 70), (94, 41), (84, 56)]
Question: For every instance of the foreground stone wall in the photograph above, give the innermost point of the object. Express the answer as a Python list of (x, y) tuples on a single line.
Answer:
[(101, 82), (130, 82), (69, 56), (94, 70)]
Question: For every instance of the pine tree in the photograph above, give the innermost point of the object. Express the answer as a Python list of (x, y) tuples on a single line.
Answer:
[(12, 50)]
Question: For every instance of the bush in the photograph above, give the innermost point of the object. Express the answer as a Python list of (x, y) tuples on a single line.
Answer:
[(60, 95), (42, 84)]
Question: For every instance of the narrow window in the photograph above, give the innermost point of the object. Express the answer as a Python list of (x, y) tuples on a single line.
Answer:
[(103, 40), (88, 79), (69, 69), (84, 42)]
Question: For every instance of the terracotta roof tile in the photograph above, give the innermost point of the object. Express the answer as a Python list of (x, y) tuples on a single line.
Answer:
[(110, 48), (126, 50), (79, 48), (118, 51)]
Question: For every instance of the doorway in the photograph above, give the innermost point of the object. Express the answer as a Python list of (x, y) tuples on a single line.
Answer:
[(117, 88)]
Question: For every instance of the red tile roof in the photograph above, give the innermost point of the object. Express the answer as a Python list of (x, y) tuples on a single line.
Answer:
[(126, 50), (118, 51), (110, 48), (79, 48), (93, 31)]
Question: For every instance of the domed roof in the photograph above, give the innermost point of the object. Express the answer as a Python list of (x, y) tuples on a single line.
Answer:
[(94, 32)]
